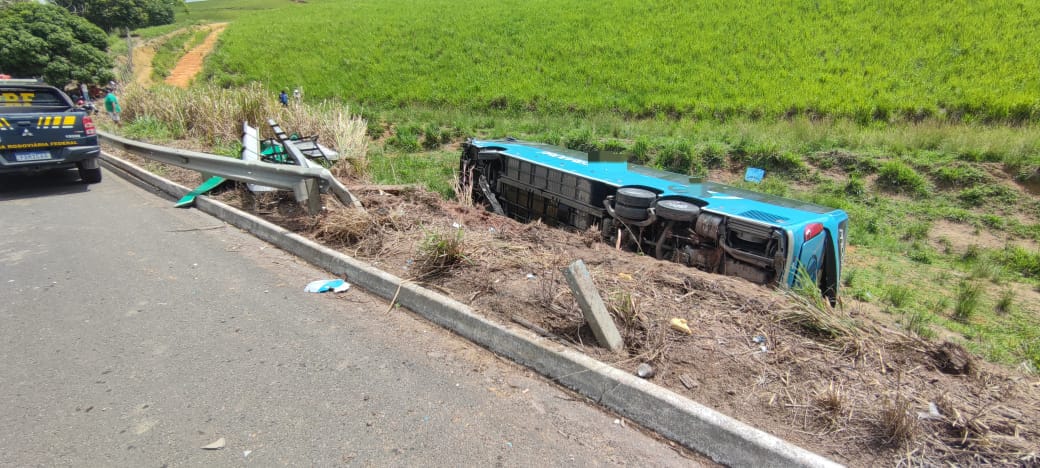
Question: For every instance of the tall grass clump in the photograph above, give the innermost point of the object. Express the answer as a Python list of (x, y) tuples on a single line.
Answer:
[(968, 294), (898, 295), (439, 252), (812, 314), (677, 156), (215, 115), (896, 176)]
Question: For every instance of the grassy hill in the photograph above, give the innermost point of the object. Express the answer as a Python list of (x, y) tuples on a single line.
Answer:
[(704, 58), (918, 119)]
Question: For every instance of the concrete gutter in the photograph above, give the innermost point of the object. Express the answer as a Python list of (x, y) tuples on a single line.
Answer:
[(678, 418)]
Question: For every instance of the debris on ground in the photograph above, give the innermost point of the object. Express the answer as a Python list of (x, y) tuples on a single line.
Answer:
[(845, 383), (320, 286), (215, 445)]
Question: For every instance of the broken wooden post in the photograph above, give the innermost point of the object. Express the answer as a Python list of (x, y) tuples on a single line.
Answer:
[(592, 307)]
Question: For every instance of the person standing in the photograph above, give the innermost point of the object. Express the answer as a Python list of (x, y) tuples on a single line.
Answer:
[(297, 95), (284, 98), (112, 106)]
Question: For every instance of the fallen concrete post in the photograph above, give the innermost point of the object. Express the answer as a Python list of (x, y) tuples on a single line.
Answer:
[(592, 307)]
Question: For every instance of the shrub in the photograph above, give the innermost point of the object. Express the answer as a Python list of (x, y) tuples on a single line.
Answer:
[(434, 136), (581, 140), (898, 177), (641, 150), (405, 139), (714, 154), (855, 187), (677, 156), (375, 128), (960, 174)]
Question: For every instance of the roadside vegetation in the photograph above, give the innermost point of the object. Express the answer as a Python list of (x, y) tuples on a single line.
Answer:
[(931, 147)]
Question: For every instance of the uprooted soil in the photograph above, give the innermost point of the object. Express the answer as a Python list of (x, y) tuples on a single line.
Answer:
[(836, 382)]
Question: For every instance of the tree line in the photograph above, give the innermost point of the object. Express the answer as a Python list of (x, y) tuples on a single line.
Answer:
[(66, 41)]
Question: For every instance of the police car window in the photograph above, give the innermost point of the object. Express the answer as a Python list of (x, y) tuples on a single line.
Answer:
[(14, 99)]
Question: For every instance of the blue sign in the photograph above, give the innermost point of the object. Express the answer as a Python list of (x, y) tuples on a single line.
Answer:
[(754, 174)]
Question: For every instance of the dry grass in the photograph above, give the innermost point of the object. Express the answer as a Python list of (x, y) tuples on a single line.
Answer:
[(897, 422), (816, 318), (215, 115), (832, 405)]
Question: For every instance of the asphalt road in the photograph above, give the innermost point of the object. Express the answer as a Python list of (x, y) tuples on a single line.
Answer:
[(133, 333)]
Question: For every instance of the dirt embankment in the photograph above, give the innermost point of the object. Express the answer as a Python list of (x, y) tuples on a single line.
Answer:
[(835, 381)]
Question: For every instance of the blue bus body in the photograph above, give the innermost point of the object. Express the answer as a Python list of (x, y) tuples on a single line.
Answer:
[(719, 228)]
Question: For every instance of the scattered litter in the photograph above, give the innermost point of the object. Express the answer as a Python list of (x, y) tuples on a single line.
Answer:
[(759, 339), (625, 276), (217, 445), (680, 325), (246, 453), (763, 348), (645, 371), (688, 381), (617, 421), (530, 276), (509, 444), (456, 225), (334, 285), (492, 230), (932, 413)]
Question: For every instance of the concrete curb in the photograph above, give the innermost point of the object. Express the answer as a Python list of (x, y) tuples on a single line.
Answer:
[(678, 418)]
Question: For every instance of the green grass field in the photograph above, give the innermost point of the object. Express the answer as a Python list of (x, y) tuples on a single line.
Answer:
[(704, 58), (912, 117)]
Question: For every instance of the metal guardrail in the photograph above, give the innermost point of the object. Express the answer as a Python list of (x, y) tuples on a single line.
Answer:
[(305, 182)]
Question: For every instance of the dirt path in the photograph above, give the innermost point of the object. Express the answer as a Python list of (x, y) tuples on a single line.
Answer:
[(190, 64)]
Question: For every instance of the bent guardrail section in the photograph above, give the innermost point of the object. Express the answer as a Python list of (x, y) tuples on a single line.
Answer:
[(305, 182)]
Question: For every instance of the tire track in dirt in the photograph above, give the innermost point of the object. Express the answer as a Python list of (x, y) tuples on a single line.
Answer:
[(191, 63)]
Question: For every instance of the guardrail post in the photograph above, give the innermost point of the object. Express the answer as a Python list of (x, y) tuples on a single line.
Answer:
[(308, 194)]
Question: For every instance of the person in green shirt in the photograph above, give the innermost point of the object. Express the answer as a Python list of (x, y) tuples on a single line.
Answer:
[(112, 106)]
